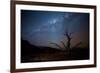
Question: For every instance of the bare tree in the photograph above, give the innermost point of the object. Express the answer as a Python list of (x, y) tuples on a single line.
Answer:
[(67, 45), (69, 38)]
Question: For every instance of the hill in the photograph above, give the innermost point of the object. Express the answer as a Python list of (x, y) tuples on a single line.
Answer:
[(33, 53)]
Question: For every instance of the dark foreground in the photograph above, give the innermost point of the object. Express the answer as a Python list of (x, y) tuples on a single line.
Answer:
[(31, 53)]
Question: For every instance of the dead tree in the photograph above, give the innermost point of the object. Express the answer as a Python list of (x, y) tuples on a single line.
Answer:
[(69, 38), (67, 45)]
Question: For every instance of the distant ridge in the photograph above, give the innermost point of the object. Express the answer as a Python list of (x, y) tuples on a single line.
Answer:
[(32, 53)]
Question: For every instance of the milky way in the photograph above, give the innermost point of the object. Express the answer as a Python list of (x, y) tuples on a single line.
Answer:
[(43, 27)]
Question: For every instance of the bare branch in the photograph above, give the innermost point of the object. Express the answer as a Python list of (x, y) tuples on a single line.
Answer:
[(56, 45), (70, 34), (64, 44), (77, 44), (67, 35)]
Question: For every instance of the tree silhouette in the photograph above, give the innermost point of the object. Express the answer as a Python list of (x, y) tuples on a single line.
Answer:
[(69, 38), (67, 45)]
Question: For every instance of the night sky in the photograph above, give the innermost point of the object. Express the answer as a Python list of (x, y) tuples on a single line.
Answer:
[(44, 27)]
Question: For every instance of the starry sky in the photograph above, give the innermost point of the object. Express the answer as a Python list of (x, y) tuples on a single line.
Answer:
[(44, 27)]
